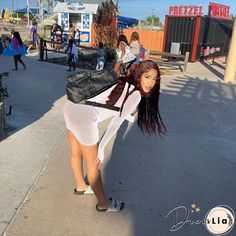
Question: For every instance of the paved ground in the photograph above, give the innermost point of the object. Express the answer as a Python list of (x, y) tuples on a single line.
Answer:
[(195, 163)]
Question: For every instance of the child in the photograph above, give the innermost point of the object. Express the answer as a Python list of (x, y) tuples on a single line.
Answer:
[(101, 57), (72, 54)]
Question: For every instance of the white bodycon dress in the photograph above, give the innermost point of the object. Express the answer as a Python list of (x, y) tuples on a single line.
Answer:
[(82, 120)]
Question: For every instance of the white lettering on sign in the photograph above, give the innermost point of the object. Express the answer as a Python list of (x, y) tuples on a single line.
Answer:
[(185, 10), (208, 51)]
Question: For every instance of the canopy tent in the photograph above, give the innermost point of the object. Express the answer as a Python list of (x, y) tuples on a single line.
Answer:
[(125, 22), (33, 10)]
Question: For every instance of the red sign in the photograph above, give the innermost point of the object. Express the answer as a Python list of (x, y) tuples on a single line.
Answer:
[(218, 10), (185, 10)]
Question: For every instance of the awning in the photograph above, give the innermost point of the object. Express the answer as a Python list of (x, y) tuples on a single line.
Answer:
[(126, 21), (34, 10)]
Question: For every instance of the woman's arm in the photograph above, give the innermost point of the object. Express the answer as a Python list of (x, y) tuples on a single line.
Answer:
[(129, 107)]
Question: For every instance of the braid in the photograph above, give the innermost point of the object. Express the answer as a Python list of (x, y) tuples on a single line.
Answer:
[(126, 97)]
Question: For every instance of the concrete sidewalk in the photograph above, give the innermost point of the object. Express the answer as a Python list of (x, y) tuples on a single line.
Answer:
[(36, 124), (195, 163)]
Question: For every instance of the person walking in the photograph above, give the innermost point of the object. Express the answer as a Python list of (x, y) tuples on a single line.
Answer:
[(137, 92), (33, 37), (16, 49)]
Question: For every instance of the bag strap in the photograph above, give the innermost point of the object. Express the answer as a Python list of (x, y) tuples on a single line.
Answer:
[(96, 104)]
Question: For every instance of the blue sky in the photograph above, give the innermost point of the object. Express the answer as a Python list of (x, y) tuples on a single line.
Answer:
[(139, 9)]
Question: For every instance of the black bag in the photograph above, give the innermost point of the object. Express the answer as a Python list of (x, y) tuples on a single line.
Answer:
[(87, 84), (125, 66)]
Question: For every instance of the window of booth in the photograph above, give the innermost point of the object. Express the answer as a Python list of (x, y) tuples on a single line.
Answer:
[(75, 19)]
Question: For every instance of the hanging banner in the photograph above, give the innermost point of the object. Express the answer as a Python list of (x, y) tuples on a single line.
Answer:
[(218, 10), (86, 21), (65, 21), (185, 10)]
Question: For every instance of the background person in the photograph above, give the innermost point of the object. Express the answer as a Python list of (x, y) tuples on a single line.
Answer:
[(72, 54), (101, 57), (16, 49), (33, 37), (124, 54), (135, 45)]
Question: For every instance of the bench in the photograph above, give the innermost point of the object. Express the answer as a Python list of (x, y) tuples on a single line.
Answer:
[(168, 59)]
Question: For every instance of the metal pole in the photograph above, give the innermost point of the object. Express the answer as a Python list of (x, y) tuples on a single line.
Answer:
[(231, 59), (28, 13), (12, 2), (153, 17)]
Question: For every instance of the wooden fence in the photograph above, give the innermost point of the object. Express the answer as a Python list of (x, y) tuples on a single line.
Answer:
[(150, 39)]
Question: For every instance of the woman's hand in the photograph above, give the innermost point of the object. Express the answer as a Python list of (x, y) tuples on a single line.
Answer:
[(97, 163)]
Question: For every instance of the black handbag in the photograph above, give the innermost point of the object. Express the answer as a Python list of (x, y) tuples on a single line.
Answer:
[(125, 66), (87, 84)]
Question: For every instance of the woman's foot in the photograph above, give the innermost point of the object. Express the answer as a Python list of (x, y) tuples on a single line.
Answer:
[(112, 205), (83, 191), (24, 67)]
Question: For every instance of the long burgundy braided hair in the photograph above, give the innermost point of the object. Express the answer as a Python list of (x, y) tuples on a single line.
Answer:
[(149, 118)]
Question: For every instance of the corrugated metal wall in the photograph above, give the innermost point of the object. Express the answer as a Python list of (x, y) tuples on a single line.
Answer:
[(180, 30), (214, 33)]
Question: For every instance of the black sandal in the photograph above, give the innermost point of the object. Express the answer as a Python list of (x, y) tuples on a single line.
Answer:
[(85, 192), (114, 206)]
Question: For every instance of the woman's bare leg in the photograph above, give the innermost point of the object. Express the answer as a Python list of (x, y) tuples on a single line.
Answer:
[(76, 161), (94, 174)]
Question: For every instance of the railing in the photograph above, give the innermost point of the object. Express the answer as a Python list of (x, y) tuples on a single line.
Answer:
[(43, 48)]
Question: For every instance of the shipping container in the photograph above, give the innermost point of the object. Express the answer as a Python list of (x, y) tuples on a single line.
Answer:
[(203, 36)]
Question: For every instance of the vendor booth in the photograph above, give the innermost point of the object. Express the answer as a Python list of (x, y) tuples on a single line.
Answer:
[(188, 30), (76, 15)]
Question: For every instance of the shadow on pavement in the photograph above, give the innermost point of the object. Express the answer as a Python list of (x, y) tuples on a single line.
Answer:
[(33, 92), (192, 164)]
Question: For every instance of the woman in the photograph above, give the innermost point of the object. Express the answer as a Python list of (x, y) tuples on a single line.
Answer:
[(16, 49), (140, 91), (124, 54), (135, 45), (72, 54)]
